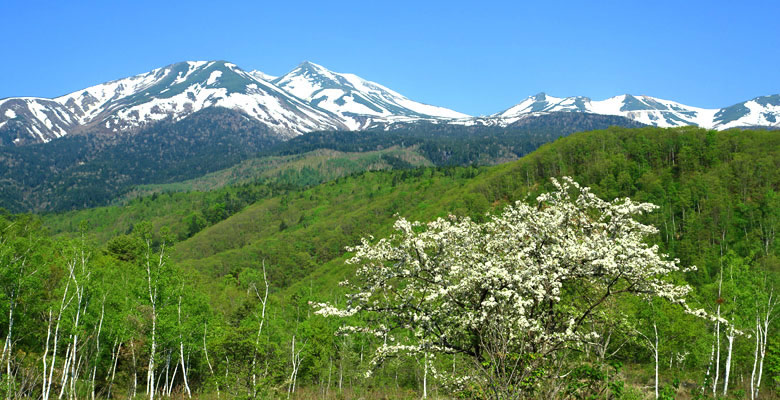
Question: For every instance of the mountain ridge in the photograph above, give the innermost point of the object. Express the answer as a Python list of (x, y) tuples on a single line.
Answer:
[(762, 111), (358, 101), (312, 98)]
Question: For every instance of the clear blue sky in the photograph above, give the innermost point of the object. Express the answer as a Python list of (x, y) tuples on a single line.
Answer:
[(474, 57)]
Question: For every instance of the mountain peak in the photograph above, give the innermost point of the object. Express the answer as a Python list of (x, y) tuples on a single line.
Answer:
[(308, 65), (357, 101)]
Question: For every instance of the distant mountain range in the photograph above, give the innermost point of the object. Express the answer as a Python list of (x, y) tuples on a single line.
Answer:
[(313, 98), (759, 112)]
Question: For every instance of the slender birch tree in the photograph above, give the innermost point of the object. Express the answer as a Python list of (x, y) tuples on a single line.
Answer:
[(20, 247), (154, 263), (261, 321)]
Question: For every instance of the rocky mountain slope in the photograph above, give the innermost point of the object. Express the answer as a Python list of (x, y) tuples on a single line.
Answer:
[(356, 101), (759, 112), (313, 98)]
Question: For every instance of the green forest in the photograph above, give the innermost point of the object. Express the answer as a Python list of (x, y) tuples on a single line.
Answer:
[(218, 146), (187, 287)]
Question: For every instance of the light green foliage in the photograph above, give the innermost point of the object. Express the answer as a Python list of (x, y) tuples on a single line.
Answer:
[(717, 192), (323, 164)]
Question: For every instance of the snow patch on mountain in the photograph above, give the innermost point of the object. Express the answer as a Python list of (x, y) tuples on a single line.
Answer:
[(759, 112), (213, 77), (41, 119)]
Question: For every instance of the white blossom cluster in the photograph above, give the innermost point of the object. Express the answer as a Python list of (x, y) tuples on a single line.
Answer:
[(529, 279)]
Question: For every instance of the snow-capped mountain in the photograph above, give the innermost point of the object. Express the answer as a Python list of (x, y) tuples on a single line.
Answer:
[(172, 92), (178, 90), (761, 111), (356, 101), (306, 99), (309, 98)]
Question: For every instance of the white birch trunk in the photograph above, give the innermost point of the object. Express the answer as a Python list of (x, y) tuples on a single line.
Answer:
[(181, 355), (45, 356), (717, 335), (152, 286), (70, 369), (296, 363), (290, 388), (167, 371), (184, 370), (159, 381), (655, 351), (654, 345), (263, 301), (75, 363), (753, 393), (77, 369), (764, 337), (65, 367), (173, 379), (341, 372), (709, 367), (227, 372), (730, 338), (206, 353), (150, 388), (115, 361), (97, 347), (46, 390), (135, 369), (8, 343)]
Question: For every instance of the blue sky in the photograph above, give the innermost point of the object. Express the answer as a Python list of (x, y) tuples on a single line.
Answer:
[(474, 57)]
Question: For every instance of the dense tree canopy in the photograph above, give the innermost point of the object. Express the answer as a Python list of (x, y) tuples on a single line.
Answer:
[(211, 321)]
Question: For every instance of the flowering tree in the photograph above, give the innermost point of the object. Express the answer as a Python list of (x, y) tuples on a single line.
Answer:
[(508, 293)]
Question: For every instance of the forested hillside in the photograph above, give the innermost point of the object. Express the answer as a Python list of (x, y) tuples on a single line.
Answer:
[(210, 293), (87, 170), (95, 169)]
